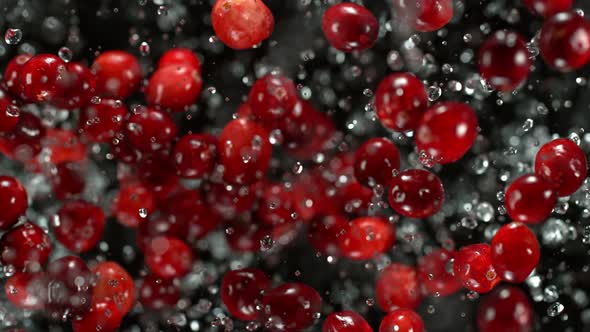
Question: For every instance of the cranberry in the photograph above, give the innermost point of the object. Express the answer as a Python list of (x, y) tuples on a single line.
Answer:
[(133, 203), (324, 233), (180, 57), (366, 237), (231, 200), (157, 173), (241, 292), (446, 132), (242, 24), (350, 27), (503, 60), (118, 74), (506, 309), (194, 155), (12, 74), (416, 193), (563, 164), (346, 321), (78, 86), (41, 77), (70, 285), (402, 320), (157, 294), (25, 247), (26, 291), (548, 8), (290, 307), (63, 146), (9, 113), (376, 161), (79, 225), (150, 129), (113, 283), (158, 225), (473, 267), (68, 180), (276, 205), (400, 100), (515, 252), (100, 122), (168, 257), (123, 151), (244, 151), (13, 199), (529, 199), (103, 316), (564, 41), (311, 198), (174, 88), (24, 142), (398, 287), (425, 15), (271, 97), (434, 274)]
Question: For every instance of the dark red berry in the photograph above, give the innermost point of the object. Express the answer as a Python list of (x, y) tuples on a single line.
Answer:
[(290, 307), (324, 233), (276, 205), (25, 247), (241, 292), (102, 316), (194, 155), (400, 100), (436, 275), (79, 225), (563, 164), (376, 162), (24, 142), (346, 321), (515, 252), (564, 41), (68, 180), (77, 87), (241, 24), (12, 74), (398, 287), (425, 15), (271, 97), (133, 203), (416, 193), (350, 27), (366, 237), (168, 257), (156, 293), (402, 320), (69, 288), (118, 74), (13, 199), (113, 283), (180, 57), (473, 267), (27, 291), (529, 199), (174, 88), (41, 78)]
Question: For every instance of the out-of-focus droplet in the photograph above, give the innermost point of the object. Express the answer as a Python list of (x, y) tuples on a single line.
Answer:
[(65, 54), (13, 36), (162, 10), (528, 125), (144, 48), (434, 92), (13, 111), (555, 309)]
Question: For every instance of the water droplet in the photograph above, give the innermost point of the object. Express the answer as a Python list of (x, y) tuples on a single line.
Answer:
[(266, 243), (434, 92), (65, 54), (297, 168), (144, 48), (13, 36), (555, 309), (528, 125), (143, 212), (162, 10)]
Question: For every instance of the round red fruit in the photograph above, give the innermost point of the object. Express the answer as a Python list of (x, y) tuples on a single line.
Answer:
[(113, 283), (242, 24), (376, 162), (78, 86), (402, 320), (156, 293), (79, 225), (150, 129), (473, 267), (118, 74), (564, 41), (271, 97), (506, 309), (194, 155), (290, 307), (515, 252), (398, 287), (168, 257), (27, 291), (180, 57), (416, 193), (13, 199), (174, 88), (132, 204), (562, 163), (435, 273), (425, 15), (103, 316), (548, 7), (41, 78), (241, 292), (350, 27), (529, 199), (101, 122), (12, 74), (25, 247), (366, 237), (346, 321)]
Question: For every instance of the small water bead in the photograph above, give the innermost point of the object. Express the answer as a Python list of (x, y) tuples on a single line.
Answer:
[(434, 92), (65, 54), (144, 48), (469, 222), (550, 294), (13, 36), (162, 10), (528, 125), (555, 309)]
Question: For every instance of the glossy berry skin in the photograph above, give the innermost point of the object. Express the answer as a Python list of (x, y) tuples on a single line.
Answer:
[(101, 122), (25, 247), (515, 252), (473, 267), (290, 307), (13, 199), (562, 163), (241, 24), (180, 57), (129, 201), (425, 15), (174, 88), (416, 193), (79, 225), (529, 199), (103, 316), (398, 286), (12, 74), (194, 155), (244, 151), (402, 320), (156, 293), (548, 8), (78, 86), (504, 61), (376, 161), (271, 97), (324, 232), (400, 100), (24, 142), (346, 321), (68, 181), (231, 200), (118, 74), (241, 292), (506, 309), (41, 78), (564, 41), (366, 237), (9, 113), (168, 257), (113, 283), (434, 274), (70, 283), (27, 291), (150, 129), (350, 27)]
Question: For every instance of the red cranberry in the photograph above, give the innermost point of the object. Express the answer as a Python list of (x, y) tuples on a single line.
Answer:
[(103, 316), (376, 161), (473, 267), (157, 173), (24, 142), (416, 193), (123, 151), (157, 294), (311, 198), (113, 283), (564, 41), (241, 292), (346, 321), (26, 291), (25, 247), (446, 132), (290, 307), (78, 86), (168, 257), (100, 122), (118, 74), (68, 180), (548, 7), (9, 113), (244, 151), (398, 287), (276, 205), (504, 61), (174, 88), (13, 199), (563, 164), (11, 75), (241, 24), (79, 225), (180, 57), (63, 146), (324, 233), (515, 252), (529, 199), (434, 274), (350, 27), (41, 77), (367, 237), (506, 309), (425, 15), (271, 97), (244, 235), (402, 320), (160, 225), (231, 200), (400, 100), (150, 129), (194, 155), (70, 285), (133, 203)]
